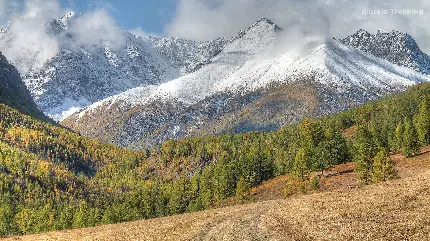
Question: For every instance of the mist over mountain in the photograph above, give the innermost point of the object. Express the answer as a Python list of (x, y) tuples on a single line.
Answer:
[(84, 68)]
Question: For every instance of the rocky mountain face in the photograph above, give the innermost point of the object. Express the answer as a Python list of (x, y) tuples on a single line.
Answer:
[(251, 84), (75, 79), (13, 91), (396, 47), (187, 55), (81, 75)]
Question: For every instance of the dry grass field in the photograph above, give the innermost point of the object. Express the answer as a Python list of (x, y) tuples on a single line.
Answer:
[(394, 210)]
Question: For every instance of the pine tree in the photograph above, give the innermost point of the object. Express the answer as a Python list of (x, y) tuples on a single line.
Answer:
[(6, 217), (379, 134), (301, 164), (336, 147), (242, 189), (399, 136), (383, 167), (410, 139), (363, 168), (423, 123), (81, 215), (364, 144), (24, 220), (363, 151), (322, 156), (311, 134)]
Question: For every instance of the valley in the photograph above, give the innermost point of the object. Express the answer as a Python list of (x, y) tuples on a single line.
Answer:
[(54, 179)]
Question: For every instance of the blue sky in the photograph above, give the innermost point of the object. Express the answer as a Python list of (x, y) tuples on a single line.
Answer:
[(150, 15)]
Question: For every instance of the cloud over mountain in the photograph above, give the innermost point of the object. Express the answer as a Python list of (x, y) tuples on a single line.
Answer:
[(208, 19), (30, 42)]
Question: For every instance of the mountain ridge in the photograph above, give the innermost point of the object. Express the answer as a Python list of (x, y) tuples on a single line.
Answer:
[(396, 47), (178, 108)]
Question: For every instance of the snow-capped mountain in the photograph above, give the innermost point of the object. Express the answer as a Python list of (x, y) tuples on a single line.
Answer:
[(77, 78), (80, 75), (252, 84), (396, 47), (186, 54)]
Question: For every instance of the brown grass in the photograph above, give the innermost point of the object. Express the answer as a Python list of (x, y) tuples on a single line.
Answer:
[(394, 210)]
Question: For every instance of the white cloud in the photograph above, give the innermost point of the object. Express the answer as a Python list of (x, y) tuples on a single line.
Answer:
[(7, 7), (29, 43), (93, 28), (208, 19)]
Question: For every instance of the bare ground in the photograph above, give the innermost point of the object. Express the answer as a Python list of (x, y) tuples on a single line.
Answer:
[(394, 210)]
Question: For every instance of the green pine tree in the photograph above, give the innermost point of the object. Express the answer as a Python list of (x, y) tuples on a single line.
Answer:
[(383, 167), (81, 215), (410, 139), (423, 123), (363, 168), (363, 152), (301, 164), (242, 189), (399, 136)]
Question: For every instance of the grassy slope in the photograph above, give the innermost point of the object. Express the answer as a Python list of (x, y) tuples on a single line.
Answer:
[(393, 210)]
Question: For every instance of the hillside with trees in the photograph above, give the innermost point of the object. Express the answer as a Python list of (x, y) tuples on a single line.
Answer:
[(13, 91), (393, 210), (52, 178)]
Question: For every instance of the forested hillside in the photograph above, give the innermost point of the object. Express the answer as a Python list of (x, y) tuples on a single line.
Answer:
[(51, 178), (13, 91)]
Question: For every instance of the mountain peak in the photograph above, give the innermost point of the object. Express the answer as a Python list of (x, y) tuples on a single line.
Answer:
[(67, 18), (266, 21), (362, 38), (263, 26), (395, 46)]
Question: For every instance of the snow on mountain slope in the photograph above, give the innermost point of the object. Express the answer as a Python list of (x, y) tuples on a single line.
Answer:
[(244, 72), (81, 74), (242, 66), (77, 78), (211, 77), (238, 55), (185, 54), (396, 47)]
